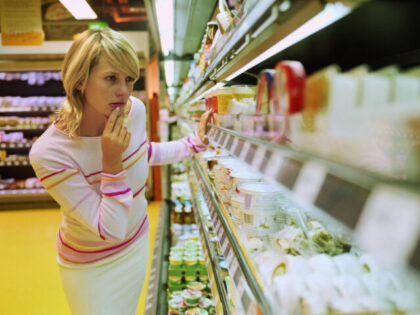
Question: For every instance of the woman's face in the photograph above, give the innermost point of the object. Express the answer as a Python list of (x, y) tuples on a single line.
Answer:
[(106, 89)]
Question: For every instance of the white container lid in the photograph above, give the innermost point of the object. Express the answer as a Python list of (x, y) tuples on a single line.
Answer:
[(245, 175), (258, 188)]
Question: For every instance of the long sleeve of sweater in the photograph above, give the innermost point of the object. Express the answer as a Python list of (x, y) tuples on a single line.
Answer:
[(174, 151)]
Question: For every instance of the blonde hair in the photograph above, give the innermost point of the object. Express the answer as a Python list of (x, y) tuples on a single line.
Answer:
[(82, 56)]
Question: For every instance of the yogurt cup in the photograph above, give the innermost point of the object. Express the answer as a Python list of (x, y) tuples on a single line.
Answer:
[(259, 195)]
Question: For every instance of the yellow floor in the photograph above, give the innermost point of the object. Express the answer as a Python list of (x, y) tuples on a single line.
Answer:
[(29, 278)]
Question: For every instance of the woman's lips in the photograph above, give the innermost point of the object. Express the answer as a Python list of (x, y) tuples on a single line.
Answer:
[(115, 105)]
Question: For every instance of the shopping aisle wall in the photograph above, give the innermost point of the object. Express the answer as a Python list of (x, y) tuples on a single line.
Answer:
[(29, 277)]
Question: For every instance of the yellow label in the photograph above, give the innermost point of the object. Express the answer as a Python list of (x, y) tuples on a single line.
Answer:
[(22, 39)]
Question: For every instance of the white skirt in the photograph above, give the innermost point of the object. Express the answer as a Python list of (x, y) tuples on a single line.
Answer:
[(111, 286)]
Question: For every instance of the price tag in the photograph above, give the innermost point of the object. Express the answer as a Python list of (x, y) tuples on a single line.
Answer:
[(222, 139), (258, 158), (289, 172), (2, 145), (240, 286), (217, 224), (244, 152), (229, 257), (229, 142), (251, 153), (234, 145), (309, 181), (239, 148), (25, 162), (266, 159), (8, 163), (234, 267), (390, 224)]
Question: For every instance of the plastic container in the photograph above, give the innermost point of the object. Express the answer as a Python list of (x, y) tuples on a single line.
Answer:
[(259, 195), (223, 97), (243, 92), (261, 222)]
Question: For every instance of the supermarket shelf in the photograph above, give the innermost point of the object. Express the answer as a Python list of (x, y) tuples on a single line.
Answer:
[(156, 294), (261, 28), (30, 110), (218, 289), (14, 163), (26, 199), (29, 129), (353, 197), (249, 288), (15, 145)]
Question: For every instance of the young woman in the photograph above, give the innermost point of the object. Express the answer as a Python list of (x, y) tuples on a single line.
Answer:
[(94, 161)]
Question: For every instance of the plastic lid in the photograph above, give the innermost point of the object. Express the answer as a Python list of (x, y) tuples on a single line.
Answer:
[(244, 88), (245, 175), (258, 188)]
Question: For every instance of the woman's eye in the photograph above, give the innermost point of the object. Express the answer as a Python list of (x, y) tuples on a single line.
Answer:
[(111, 78), (129, 79)]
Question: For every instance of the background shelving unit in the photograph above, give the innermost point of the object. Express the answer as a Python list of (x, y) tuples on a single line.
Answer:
[(21, 169)]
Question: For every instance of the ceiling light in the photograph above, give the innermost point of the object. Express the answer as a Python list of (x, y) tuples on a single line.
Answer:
[(165, 21), (80, 9), (330, 14)]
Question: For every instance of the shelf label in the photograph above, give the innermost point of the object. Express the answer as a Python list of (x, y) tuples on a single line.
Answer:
[(239, 147), (289, 172), (222, 139), (341, 199), (234, 266), (266, 159), (251, 153), (258, 160), (229, 142), (309, 181), (390, 224), (229, 257), (274, 165), (234, 145), (244, 152)]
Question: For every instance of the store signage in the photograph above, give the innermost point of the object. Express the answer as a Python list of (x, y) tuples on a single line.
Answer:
[(21, 23)]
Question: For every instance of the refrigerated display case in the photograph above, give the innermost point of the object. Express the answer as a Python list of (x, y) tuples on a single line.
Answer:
[(342, 236)]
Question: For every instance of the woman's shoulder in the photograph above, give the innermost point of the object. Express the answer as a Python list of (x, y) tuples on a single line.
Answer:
[(137, 106), (51, 145)]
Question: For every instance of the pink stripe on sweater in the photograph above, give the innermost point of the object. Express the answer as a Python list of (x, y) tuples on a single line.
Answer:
[(139, 191), (105, 249), (117, 193), (95, 173), (55, 173), (135, 151), (149, 153), (192, 145)]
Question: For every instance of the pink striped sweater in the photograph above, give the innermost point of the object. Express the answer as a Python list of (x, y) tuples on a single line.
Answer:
[(102, 213)]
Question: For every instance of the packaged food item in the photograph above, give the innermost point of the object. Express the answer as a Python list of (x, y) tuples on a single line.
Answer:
[(177, 306), (259, 195), (223, 97), (264, 91), (196, 311), (260, 222), (195, 285), (191, 297)]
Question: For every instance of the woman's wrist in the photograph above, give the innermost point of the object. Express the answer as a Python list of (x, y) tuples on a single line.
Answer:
[(112, 167)]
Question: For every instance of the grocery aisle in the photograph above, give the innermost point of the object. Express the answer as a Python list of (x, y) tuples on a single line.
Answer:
[(29, 278)]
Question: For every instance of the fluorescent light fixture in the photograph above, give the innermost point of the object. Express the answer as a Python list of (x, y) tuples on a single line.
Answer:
[(80, 9), (331, 13), (165, 20), (169, 66)]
